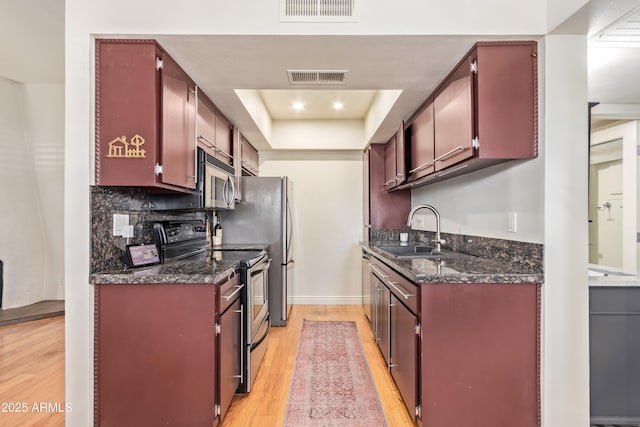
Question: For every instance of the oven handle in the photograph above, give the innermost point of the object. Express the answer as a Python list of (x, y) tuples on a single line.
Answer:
[(262, 266), (264, 337), (238, 288)]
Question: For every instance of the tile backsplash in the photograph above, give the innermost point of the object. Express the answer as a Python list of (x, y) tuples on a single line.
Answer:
[(107, 251), (522, 254)]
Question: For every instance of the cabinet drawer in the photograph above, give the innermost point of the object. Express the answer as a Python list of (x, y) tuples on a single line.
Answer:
[(403, 289), (230, 291)]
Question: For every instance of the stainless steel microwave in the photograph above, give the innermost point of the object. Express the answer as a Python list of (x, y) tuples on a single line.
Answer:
[(218, 182)]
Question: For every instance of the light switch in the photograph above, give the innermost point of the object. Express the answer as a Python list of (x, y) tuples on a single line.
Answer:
[(512, 222)]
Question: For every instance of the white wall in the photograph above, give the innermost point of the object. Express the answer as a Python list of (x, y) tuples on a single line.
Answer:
[(317, 135), (477, 204), (565, 298), (44, 132), (31, 190), (327, 191)]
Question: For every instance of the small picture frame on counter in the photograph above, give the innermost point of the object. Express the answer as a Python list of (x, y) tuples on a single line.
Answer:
[(142, 255)]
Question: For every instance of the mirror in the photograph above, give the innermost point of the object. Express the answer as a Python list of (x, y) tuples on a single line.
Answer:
[(613, 201)]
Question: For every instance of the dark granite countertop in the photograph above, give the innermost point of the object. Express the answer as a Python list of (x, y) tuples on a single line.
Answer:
[(193, 270), (464, 269)]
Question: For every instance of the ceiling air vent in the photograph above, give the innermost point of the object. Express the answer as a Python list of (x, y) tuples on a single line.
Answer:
[(625, 32), (317, 77), (318, 10)]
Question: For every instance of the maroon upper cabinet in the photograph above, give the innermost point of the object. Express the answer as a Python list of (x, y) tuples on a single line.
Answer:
[(484, 112), (401, 164), (206, 126), (382, 209), (421, 142), (224, 132), (487, 107), (213, 131), (394, 160), (453, 115), (250, 158), (145, 117), (390, 164)]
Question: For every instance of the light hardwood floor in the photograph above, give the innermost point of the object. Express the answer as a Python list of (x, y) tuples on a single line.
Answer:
[(265, 405), (32, 371)]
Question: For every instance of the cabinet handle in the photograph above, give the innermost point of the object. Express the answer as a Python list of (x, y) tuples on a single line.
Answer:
[(209, 143), (393, 285), (449, 153), (225, 153), (380, 273), (241, 375), (214, 146), (389, 182), (228, 297), (425, 165), (448, 171), (195, 140)]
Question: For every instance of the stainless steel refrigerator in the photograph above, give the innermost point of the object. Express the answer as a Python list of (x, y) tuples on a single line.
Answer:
[(264, 215)]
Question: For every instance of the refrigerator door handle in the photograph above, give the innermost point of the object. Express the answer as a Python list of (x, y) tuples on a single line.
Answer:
[(290, 237)]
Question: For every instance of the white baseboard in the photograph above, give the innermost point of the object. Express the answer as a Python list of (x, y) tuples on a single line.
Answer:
[(325, 300)]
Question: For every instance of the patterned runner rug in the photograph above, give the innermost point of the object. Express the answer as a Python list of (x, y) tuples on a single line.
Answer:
[(331, 384)]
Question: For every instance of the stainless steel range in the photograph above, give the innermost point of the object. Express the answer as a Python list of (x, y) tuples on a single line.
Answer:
[(254, 274)]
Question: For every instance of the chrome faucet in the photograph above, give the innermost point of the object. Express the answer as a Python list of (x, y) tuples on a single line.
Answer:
[(438, 240)]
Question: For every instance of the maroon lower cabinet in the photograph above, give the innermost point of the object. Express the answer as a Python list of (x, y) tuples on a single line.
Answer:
[(480, 361), (230, 354), (154, 357)]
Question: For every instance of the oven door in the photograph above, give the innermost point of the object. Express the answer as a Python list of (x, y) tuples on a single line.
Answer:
[(258, 293)]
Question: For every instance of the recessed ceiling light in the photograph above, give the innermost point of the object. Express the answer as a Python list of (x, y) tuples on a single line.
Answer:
[(298, 105), (338, 105)]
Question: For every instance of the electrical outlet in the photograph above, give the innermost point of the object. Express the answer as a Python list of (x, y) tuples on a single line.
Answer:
[(512, 222), (120, 224)]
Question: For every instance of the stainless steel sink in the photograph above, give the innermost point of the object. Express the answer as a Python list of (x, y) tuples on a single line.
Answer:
[(418, 251)]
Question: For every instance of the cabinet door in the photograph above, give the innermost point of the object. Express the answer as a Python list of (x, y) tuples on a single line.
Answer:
[(404, 353), (390, 164), (366, 221), (230, 353), (386, 209), (382, 318), (422, 140), (127, 96), (366, 286), (250, 160), (155, 353), (178, 126), (480, 351), (453, 118), (401, 165), (206, 125), (223, 140)]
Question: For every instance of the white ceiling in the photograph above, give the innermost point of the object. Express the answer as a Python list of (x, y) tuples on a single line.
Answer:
[(32, 50), (317, 104)]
